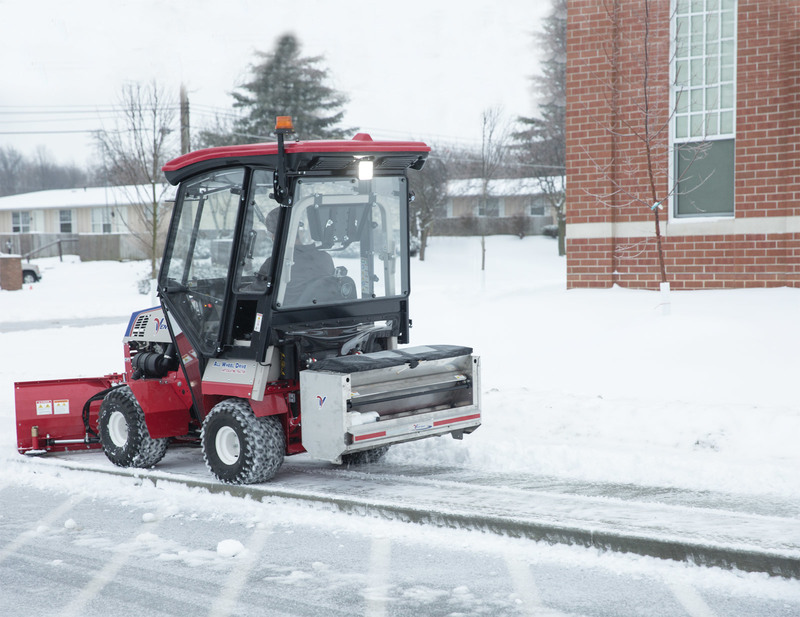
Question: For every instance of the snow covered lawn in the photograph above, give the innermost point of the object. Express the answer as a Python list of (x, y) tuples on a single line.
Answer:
[(593, 385)]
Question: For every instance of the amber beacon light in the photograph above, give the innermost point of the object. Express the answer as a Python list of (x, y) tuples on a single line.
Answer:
[(284, 123)]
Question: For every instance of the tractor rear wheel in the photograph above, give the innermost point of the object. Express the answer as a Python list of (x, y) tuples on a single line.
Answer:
[(240, 448), (123, 432)]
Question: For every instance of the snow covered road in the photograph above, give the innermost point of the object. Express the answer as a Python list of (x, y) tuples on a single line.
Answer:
[(115, 546), (700, 527)]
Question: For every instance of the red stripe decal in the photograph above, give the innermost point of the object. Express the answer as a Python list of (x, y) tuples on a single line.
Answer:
[(370, 436), (474, 416)]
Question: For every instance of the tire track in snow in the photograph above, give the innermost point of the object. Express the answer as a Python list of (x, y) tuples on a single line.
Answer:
[(46, 521), (104, 576), (225, 604), (530, 602), (689, 599), (377, 591)]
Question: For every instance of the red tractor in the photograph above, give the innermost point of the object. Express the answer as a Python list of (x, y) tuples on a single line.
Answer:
[(284, 293)]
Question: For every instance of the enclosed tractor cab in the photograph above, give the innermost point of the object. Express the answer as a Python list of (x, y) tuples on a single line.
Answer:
[(284, 304)]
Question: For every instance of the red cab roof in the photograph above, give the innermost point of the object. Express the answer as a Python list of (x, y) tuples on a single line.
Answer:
[(360, 144)]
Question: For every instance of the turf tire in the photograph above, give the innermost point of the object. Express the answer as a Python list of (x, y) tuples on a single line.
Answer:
[(240, 448), (123, 432)]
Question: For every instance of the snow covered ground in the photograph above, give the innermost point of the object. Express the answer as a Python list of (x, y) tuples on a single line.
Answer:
[(589, 385), (584, 385)]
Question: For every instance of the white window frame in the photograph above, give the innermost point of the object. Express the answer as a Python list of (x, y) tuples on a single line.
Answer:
[(483, 214), (62, 221), (20, 226), (102, 216), (711, 109), (538, 202)]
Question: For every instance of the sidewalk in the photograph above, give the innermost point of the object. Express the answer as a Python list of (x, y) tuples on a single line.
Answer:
[(713, 529), (754, 534)]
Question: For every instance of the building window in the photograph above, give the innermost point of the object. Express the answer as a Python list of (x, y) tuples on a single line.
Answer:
[(704, 98), (489, 206), (538, 205), (65, 221), (20, 222), (102, 220)]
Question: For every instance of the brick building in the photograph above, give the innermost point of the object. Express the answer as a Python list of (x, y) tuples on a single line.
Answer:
[(709, 92)]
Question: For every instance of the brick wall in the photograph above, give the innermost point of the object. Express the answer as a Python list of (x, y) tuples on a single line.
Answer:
[(10, 272), (589, 76), (768, 109), (609, 190), (693, 262)]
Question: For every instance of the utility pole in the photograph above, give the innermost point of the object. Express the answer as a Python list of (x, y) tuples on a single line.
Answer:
[(185, 145)]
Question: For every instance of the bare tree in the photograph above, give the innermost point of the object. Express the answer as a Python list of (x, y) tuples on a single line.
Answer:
[(495, 137), (11, 168), (430, 196), (638, 169), (21, 174), (133, 154), (554, 189)]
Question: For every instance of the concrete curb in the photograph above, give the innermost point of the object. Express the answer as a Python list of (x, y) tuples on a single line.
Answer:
[(675, 549)]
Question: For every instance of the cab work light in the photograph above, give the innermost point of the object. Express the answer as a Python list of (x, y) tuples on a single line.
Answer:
[(365, 170)]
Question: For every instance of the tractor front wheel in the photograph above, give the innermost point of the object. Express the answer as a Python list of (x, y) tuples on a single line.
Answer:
[(123, 432), (240, 448)]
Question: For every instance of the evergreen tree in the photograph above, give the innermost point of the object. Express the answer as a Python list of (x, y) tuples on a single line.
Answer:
[(543, 139), (283, 83)]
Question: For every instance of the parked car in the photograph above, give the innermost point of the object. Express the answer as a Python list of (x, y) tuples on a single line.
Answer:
[(30, 273)]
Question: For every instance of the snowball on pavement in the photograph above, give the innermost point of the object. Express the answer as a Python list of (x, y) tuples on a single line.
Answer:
[(229, 548)]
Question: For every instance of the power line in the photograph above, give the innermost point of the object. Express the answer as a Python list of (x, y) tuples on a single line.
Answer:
[(48, 132)]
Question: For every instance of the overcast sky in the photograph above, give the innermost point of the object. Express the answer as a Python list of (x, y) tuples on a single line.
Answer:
[(423, 70)]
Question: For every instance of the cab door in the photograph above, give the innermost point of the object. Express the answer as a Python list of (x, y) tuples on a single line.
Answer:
[(193, 282)]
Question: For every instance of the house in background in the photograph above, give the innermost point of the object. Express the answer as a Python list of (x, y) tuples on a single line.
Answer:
[(724, 108), (94, 223), (519, 206)]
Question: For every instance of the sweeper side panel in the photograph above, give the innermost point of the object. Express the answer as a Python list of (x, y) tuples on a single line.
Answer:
[(357, 403), (50, 414)]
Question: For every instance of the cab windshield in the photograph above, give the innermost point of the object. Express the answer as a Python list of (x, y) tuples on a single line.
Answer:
[(343, 242)]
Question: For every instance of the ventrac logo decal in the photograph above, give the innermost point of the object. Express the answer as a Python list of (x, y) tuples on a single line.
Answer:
[(161, 324), (322, 400)]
